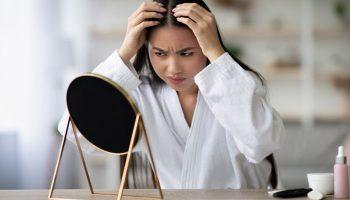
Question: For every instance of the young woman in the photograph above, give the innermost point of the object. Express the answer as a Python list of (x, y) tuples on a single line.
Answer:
[(205, 112)]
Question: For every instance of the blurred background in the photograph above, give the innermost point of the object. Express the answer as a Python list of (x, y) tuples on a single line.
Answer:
[(301, 47)]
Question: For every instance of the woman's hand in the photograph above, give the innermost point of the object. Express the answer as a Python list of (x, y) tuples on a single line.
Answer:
[(136, 33), (203, 25)]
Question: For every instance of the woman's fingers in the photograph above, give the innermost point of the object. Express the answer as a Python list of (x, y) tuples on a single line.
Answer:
[(137, 22), (146, 15), (196, 12), (188, 13), (203, 25), (193, 6), (148, 6), (194, 16), (189, 22), (145, 24), (147, 10)]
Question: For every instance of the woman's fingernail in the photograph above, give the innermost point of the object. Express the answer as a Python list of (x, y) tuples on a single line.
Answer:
[(160, 4)]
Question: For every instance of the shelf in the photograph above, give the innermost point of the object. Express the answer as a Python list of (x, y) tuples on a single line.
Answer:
[(285, 33), (293, 73), (243, 32), (247, 32), (261, 32), (332, 33), (283, 74), (318, 119)]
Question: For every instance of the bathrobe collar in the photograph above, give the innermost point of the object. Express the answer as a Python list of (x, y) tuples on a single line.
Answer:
[(175, 114), (190, 135)]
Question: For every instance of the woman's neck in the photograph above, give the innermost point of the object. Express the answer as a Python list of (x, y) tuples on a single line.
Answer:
[(188, 100), (192, 92)]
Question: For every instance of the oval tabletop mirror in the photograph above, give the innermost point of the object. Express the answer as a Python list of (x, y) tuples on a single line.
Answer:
[(108, 118), (102, 111)]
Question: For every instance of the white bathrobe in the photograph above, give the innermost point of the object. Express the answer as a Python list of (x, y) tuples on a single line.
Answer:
[(233, 127)]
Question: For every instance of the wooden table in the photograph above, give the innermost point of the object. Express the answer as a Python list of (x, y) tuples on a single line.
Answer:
[(168, 194)]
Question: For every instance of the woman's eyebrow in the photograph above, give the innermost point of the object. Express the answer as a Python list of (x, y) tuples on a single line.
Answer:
[(182, 50)]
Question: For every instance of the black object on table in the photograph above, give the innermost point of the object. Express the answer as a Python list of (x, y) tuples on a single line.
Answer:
[(300, 192)]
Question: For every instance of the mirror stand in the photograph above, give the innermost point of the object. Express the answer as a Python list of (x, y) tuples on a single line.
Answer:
[(138, 123)]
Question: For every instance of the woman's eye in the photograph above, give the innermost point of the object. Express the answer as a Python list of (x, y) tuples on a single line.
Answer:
[(187, 54), (159, 54)]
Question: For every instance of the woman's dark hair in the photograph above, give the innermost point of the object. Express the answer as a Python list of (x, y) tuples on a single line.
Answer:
[(142, 60), (142, 57)]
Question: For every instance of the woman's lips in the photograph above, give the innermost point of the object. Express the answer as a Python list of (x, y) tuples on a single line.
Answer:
[(176, 81)]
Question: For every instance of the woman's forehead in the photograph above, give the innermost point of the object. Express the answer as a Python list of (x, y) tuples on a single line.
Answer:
[(172, 37)]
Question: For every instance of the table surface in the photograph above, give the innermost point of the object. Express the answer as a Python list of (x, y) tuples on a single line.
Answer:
[(168, 194)]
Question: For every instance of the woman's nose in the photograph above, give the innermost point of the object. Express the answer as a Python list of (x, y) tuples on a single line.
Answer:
[(174, 66)]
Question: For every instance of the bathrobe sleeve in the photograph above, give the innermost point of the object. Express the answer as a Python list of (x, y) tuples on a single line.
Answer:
[(115, 69), (237, 98)]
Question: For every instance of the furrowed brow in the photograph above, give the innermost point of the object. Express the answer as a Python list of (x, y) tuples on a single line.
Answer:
[(182, 50), (185, 49), (159, 49)]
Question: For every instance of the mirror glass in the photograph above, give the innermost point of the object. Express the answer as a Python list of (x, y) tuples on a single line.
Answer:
[(102, 111)]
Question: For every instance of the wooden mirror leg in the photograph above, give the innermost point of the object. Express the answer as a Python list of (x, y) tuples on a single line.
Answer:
[(154, 170), (59, 159), (58, 162), (82, 158), (126, 166)]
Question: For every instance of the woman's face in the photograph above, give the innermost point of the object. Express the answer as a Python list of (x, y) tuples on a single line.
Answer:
[(176, 56)]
